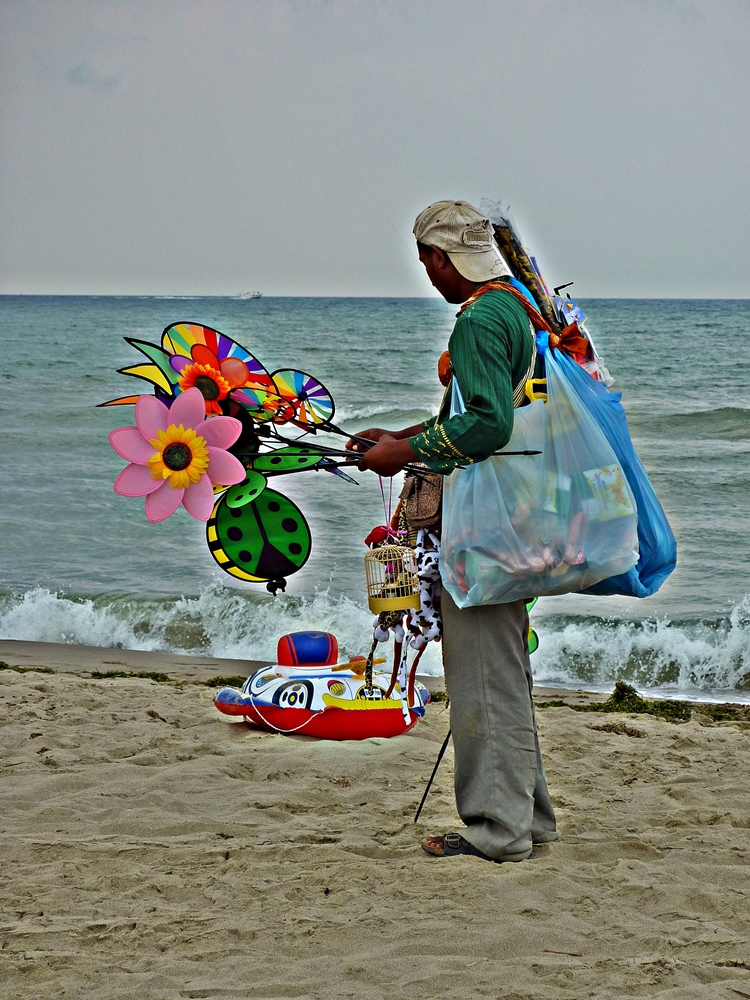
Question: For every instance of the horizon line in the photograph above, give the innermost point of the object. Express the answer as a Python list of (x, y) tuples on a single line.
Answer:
[(406, 298)]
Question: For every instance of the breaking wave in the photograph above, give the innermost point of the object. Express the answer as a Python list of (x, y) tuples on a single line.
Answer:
[(709, 658), (688, 658), (218, 622)]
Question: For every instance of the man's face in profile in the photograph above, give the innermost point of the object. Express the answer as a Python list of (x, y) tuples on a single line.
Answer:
[(442, 273)]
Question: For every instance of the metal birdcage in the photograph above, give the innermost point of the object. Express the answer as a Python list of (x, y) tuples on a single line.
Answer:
[(392, 580)]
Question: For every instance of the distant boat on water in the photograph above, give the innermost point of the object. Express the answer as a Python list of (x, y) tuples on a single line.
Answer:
[(250, 295)]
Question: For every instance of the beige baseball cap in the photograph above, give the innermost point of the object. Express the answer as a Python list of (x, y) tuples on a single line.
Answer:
[(465, 235)]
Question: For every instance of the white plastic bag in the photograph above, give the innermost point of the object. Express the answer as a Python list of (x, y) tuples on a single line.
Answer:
[(525, 526)]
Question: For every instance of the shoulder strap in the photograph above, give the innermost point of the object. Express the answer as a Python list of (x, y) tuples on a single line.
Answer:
[(519, 391), (534, 315)]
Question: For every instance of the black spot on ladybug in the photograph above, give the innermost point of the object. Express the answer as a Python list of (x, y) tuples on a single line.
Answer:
[(235, 511), (235, 534), (295, 549), (289, 524), (244, 556), (274, 506), (275, 461)]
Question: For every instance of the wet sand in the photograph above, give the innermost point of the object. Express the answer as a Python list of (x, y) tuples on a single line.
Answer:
[(153, 849)]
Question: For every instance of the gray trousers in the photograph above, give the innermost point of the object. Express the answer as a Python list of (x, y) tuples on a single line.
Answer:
[(501, 792)]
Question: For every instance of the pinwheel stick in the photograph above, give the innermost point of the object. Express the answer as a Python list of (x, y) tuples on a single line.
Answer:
[(354, 457)]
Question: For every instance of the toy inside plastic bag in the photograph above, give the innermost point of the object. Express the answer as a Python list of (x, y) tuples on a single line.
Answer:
[(656, 542), (521, 526)]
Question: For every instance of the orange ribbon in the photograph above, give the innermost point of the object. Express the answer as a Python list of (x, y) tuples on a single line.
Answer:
[(570, 340)]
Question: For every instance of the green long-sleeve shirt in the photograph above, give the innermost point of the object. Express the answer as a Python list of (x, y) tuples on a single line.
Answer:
[(490, 348)]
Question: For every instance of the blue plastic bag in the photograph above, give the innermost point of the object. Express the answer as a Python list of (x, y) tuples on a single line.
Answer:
[(657, 545)]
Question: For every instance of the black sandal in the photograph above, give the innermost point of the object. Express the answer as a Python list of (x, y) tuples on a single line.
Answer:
[(454, 844)]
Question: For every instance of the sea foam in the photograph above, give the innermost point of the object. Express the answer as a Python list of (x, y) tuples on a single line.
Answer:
[(709, 658), (218, 622), (688, 658)]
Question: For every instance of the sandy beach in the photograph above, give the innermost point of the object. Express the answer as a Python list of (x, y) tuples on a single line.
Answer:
[(152, 849)]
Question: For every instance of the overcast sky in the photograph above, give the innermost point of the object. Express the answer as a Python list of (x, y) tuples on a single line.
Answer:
[(214, 146)]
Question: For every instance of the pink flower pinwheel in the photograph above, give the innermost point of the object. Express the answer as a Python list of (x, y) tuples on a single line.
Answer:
[(176, 454)]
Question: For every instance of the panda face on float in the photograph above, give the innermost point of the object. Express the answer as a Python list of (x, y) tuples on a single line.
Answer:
[(294, 694)]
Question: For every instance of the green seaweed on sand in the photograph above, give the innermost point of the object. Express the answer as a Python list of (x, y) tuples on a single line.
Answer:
[(725, 713), (626, 699), (230, 682), (149, 675), (98, 675), (26, 670)]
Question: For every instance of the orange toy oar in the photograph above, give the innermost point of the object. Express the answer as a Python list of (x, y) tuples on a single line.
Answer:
[(358, 661)]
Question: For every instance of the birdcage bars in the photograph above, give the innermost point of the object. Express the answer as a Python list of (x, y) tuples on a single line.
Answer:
[(392, 579)]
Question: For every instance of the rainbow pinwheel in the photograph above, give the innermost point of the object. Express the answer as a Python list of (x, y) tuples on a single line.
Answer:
[(304, 400), (195, 355), (210, 425)]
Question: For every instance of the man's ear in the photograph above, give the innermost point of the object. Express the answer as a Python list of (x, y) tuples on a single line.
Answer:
[(439, 257)]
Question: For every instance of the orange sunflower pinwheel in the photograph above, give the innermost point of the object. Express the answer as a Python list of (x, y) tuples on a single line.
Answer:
[(215, 379), (211, 383)]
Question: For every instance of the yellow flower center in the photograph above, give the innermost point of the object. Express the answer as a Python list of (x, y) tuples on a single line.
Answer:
[(181, 456)]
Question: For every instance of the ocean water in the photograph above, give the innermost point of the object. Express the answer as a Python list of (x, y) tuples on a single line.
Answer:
[(82, 565)]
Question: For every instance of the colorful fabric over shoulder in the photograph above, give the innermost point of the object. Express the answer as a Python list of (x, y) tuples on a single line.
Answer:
[(569, 339), (328, 700)]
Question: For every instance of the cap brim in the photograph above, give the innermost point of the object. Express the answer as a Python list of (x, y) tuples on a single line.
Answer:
[(480, 266)]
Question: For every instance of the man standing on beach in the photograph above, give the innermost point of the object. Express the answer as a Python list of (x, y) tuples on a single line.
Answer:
[(501, 792)]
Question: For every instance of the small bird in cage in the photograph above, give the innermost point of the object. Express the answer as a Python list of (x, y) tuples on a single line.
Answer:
[(392, 579)]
